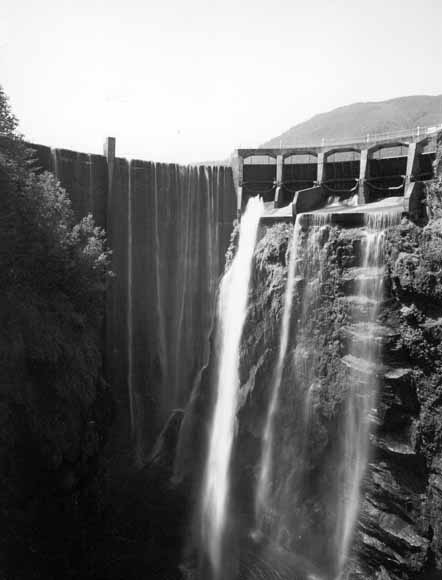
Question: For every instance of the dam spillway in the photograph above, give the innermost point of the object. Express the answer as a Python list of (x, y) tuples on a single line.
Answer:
[(310, 177), (169, 228)]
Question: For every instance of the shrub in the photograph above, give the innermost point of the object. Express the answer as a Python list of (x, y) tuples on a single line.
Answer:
[(54, 403)]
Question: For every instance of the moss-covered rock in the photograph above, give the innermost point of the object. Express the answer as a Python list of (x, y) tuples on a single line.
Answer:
[(399, 529)]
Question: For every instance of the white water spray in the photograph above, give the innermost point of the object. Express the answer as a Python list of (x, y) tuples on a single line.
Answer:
[(263, 489), (232, 311), (363, 390), (311, 271)]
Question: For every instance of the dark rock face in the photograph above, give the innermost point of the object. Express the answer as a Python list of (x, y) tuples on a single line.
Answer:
[(400, 518), (399, 530)]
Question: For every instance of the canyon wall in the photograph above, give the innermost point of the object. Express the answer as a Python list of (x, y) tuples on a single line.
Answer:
[(397, 533), (398, 530), (168, 227)]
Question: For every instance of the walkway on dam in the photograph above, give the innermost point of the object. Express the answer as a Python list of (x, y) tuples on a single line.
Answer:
[(349, 173)]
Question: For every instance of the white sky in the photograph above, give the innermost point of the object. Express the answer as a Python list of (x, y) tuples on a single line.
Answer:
[(185, 81)]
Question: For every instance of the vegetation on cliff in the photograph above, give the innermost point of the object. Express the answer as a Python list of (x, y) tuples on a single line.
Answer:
[(54, 405)]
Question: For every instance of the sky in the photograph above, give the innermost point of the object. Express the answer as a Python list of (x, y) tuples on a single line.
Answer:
[(186, 81)]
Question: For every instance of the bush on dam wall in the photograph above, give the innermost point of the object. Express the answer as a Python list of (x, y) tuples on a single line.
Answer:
[(55, 407)]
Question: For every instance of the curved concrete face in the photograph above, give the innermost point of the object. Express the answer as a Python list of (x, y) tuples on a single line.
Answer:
[(169, 228), (180, 223), (85, 178)]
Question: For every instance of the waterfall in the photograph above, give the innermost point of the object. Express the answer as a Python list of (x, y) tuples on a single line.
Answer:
[(364, 360), (306, 402), (310, 270), (231, 315), (263, 489), (289, 484), (179, 228)]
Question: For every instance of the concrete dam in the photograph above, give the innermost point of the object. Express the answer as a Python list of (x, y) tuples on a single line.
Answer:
[(168, 227), (395, 164), (275, 382)]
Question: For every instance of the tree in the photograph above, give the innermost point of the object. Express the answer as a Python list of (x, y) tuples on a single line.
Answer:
[(8, 121), (53, 421)]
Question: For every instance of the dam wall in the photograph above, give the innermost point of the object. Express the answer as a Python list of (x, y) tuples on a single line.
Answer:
[(168, 227)]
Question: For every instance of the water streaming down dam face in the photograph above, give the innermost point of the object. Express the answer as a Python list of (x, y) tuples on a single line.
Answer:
[(179, 230), (169, 228), (231, 315)]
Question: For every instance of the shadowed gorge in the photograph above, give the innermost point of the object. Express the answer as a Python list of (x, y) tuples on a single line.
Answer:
[(228, 382)]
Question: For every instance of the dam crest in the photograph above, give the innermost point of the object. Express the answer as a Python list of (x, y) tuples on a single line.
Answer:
[(350, 173)]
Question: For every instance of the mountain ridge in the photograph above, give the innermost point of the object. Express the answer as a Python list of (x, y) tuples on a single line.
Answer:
[(360, 118)]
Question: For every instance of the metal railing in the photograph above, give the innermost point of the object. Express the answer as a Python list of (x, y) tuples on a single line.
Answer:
[(414, 133), (388, 136)]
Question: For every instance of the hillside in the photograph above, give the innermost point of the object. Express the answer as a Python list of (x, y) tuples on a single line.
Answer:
[(362, 118)]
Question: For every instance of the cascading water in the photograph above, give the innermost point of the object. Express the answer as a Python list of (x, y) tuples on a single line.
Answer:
[(311, 271), (174, 261), (364, 362), (263, 489), (231, 315), (288, 491), (302, 399)]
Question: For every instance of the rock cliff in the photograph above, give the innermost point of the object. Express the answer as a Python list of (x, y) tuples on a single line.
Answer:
[(398, 533)]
